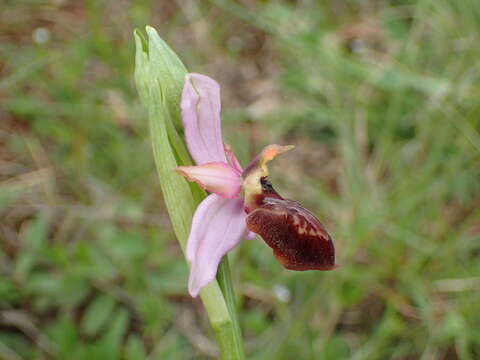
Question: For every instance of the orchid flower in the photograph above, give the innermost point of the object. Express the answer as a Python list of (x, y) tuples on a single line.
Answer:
[(225, 216)]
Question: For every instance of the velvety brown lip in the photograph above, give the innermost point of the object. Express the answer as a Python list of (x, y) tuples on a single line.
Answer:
[(298, 239)]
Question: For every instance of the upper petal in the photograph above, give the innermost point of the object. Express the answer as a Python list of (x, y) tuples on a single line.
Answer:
[(217, 226), (201, 119), (217, 177), (232, 159)]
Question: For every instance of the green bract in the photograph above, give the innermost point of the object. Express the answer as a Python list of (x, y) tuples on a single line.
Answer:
[(163, 65)]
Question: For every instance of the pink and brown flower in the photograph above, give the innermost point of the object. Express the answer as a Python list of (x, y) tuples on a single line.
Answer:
[(242, 202)]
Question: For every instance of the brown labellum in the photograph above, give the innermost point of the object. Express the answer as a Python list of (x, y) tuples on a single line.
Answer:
[(298, 239)]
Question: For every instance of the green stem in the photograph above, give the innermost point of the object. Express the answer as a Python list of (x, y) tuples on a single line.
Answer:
[(227, 335), (224, 279)]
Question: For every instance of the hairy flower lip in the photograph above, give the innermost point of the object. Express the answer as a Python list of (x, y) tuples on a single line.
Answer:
[(298, 239)]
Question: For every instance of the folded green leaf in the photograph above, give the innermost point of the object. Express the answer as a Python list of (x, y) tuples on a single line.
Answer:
[(168, 69)]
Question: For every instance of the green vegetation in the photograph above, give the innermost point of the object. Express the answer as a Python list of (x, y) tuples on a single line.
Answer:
[(381, 99)]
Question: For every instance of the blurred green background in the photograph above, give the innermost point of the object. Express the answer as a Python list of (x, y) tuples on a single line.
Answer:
[(381, 99)]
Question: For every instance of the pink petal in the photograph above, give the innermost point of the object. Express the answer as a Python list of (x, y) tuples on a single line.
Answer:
[(201, 119), (217, 177), (217, 226), (232, 159)]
